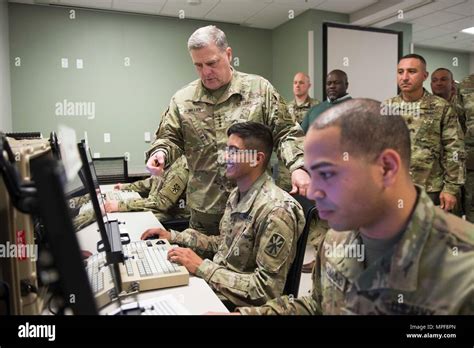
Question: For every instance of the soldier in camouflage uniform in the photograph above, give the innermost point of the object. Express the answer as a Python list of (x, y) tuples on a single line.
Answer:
[(390, 250), (80, 220), (466, 97), (297, 108), (200, 114), (438, 156), (247, 264), (165, 196), (444, 86)]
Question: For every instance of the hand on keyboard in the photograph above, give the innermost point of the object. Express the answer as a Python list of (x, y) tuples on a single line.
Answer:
[(153, 233), (111, 206), (118, 186), (185, 257)]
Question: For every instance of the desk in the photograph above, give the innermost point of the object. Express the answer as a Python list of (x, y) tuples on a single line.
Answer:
[(197, 297)]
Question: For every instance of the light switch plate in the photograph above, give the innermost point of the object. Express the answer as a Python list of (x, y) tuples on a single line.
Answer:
[(147, 137)]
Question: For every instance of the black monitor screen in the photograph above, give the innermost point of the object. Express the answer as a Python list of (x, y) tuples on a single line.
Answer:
[(55, 213)]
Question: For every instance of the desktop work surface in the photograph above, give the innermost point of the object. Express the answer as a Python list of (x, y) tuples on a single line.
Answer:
[(197, 297)]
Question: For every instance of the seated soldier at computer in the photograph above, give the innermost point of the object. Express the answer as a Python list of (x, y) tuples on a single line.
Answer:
[(163, 196), (248, 263)]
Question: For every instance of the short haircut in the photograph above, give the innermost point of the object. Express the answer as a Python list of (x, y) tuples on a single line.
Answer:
[(205, 36), (414, 56), (366, 130), (443, 69), (304, 74), (337, 71), (256, 136)]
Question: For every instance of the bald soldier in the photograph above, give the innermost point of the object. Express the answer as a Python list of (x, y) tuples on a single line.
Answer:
[(389, 250), (466, 97), (297, 108), (302, 102), (248, 262), (164, 196), (198, 117), (438, 156)]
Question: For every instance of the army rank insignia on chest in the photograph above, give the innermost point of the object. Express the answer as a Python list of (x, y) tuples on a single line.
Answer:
[(175, 188), (334, 277), (275, 244)]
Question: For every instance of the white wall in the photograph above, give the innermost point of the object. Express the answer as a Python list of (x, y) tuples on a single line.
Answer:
[(5, 93)]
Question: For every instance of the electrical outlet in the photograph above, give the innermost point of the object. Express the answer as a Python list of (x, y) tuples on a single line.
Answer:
[(64, 63), (106, 137), (147, 137), (79, 63), (96, 155)]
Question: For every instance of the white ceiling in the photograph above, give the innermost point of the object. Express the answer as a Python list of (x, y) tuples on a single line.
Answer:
[(436, 23)]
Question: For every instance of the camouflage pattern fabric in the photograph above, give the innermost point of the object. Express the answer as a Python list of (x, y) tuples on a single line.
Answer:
[(196, 123), (247, 264), (429, 271), (437, 142)]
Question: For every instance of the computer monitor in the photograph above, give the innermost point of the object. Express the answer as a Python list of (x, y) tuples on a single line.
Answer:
[(111, 242), (61, 261)]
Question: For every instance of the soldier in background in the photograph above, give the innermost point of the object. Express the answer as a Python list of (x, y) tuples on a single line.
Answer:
[(198, 117), (390, 250), (302, 102), (444, 86), (336, 86), (248, 262), (466, 97), (164, 196), (438, 156), (297, 108)]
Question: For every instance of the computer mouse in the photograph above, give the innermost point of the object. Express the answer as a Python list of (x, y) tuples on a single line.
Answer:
[(152, 237)]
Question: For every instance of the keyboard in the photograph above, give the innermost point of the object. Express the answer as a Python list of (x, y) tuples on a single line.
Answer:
[(162, 305), (100, 279), (146, 267), (121, 195)]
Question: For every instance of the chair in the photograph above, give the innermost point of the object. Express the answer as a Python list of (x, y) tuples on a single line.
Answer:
[(111, 170), (294, 274), (25, 135), (178, 224)]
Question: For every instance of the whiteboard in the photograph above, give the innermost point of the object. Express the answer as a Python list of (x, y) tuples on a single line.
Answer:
[(369, 56)]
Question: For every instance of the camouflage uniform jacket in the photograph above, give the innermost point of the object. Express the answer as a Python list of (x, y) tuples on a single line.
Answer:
[(466, 94), (297, 112), (437, 142), (166, 195), (429, 271), (256, 247), (196, 124)]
